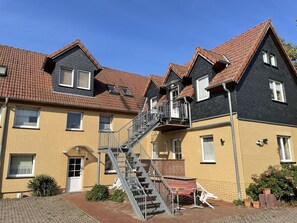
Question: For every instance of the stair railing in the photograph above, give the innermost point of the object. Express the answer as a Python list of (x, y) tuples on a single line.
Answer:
[(159, 182)]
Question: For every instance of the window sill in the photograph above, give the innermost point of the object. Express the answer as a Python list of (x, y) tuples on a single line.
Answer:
[(208, 162), (110, 172), (25, 127), (287, 162), (64, 85), (20, 177), (204, 99), (74, 130), (82, 88), (280, 102)]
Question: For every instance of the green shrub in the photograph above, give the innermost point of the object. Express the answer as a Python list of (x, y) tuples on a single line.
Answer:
[(98, 193), (117, 196), (238, 202), (281, 179), (43, 186)]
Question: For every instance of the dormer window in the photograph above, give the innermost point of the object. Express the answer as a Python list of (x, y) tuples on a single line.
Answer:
[(201, 85), (83, 80), (3, 70), (112, 89), (66, 77), (126, 91)]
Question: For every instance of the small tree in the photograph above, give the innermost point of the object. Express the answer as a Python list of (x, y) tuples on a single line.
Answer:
[(98, 193), (43, 186)]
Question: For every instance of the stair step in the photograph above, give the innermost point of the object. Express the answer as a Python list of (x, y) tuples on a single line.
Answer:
[(152, 211), (152, 202), (150, 197), (139, 189)]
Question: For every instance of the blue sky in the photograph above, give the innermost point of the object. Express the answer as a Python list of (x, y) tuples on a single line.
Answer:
[(140, 36)]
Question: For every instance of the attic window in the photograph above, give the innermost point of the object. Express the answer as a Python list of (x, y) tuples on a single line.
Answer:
[(3, 71), (126, 91), (112, 89), (265, 57)]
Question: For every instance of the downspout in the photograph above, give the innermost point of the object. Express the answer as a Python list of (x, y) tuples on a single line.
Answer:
[(4, 130), (98, 168), (189, 111), (233, 142)]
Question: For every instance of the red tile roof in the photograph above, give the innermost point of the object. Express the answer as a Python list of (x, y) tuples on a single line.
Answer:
[(72, 45), (26, 81), (180, 70), (188, 91)]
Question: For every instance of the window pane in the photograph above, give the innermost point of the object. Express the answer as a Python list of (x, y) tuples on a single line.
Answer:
[(265, 57), (74, 120), (84, 79), (126, 91), (105, 123), (287, 149), (284, 148), (177, 149), (108, 163), (208, 149), (273, 60), (25, 117), (154, 103), (22, 165), (202, 92), (66, 77), (271, 88), (112, 89), (279, 93)]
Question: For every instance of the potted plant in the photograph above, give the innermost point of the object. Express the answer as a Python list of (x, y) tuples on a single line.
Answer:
[(247, 202), (266, 191), (256, 204)]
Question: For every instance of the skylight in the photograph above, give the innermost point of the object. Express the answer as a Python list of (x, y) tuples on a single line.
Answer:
[(112, 89), (3, 70), (126, 91)]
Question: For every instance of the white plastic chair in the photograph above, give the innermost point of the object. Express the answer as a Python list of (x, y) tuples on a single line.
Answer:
[(203, 195)]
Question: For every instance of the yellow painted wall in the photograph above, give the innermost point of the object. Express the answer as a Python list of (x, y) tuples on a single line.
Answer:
[(49, 142)]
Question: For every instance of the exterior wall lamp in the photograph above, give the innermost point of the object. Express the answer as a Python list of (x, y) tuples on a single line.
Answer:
[(261, 142)]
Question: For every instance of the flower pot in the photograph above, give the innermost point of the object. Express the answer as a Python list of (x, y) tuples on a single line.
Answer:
[(247, 203), (266, 191), (256, 204)]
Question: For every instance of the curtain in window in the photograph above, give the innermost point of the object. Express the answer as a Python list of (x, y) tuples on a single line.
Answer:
[(26, 117), (74, 121), (66, 77), (21, 165), (105, 123), (208, 149), (84, 79)]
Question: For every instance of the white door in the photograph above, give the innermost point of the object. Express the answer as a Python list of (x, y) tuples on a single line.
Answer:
[(174, 105), (74, 177)]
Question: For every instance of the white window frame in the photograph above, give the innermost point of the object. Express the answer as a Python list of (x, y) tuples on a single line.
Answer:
[(27, 126), (151, 103), (113, 168), (265, 57), (198, 87), (111, 120), (89, 83), (81, 121), (72, 77), (274, 64), (274, 90), (113, 92), (21, 175), (127, 89), (282, 149), (175, 154), (3, 70), (202, 147)]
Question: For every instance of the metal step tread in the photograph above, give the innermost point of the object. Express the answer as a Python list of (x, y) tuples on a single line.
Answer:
[(151, 211), (153, 202)]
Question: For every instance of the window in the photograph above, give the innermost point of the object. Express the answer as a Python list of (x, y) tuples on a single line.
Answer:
[(74, 121), (26, 118), (155, 152), (273, 60), (66, 77), (177, 153), (277, 91), (284, 149), (153, 103), (21, 165), (109, 168), (126, 91), (3, 70), (83, 80), (112, 89), (105, 123), (201, 84), (207, 149), (265, 57)]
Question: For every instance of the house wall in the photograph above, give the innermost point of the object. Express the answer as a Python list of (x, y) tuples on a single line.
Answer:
[(253, 92), (75, 59), (152, 91), (48, 143), (256, 159)]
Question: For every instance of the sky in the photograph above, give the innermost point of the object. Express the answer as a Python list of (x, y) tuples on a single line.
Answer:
[(139, 36)]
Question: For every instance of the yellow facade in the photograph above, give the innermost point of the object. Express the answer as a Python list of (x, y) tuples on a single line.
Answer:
[(52, 144)]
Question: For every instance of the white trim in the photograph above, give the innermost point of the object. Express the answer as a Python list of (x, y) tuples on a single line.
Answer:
[(274, 90), (202, 147), (89, 80), (72, 77), (275, 62), (155, 152), (282, 148), (174, 149), (151, 100), (265, 56), (111, 121), (81, 172), (81, 122), (198, 87), (27, 126), (22, 175)]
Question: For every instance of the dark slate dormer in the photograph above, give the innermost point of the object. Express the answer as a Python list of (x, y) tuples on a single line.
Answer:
[(73, 69)]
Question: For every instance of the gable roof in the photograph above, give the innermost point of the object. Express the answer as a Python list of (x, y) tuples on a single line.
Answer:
[(157, 80), (180, 70), (26, 81), (72, 45)]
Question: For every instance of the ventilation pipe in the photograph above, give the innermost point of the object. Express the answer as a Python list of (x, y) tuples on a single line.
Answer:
[(233, 142)]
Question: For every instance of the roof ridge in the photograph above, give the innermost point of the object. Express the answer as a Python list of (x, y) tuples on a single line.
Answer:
[(17, 48), (262, 23)]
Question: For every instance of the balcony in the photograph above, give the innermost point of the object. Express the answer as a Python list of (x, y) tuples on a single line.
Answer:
[(174, 115)]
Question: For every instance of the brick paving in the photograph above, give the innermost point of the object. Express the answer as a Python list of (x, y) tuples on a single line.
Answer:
[(35, 210)]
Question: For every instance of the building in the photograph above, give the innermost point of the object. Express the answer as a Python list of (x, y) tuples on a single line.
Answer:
[(226, 114)]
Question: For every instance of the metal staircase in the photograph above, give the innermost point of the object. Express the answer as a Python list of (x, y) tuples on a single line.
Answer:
[(147, 190)]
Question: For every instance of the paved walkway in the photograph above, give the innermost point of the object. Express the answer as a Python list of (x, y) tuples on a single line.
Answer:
[(73, 208)]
